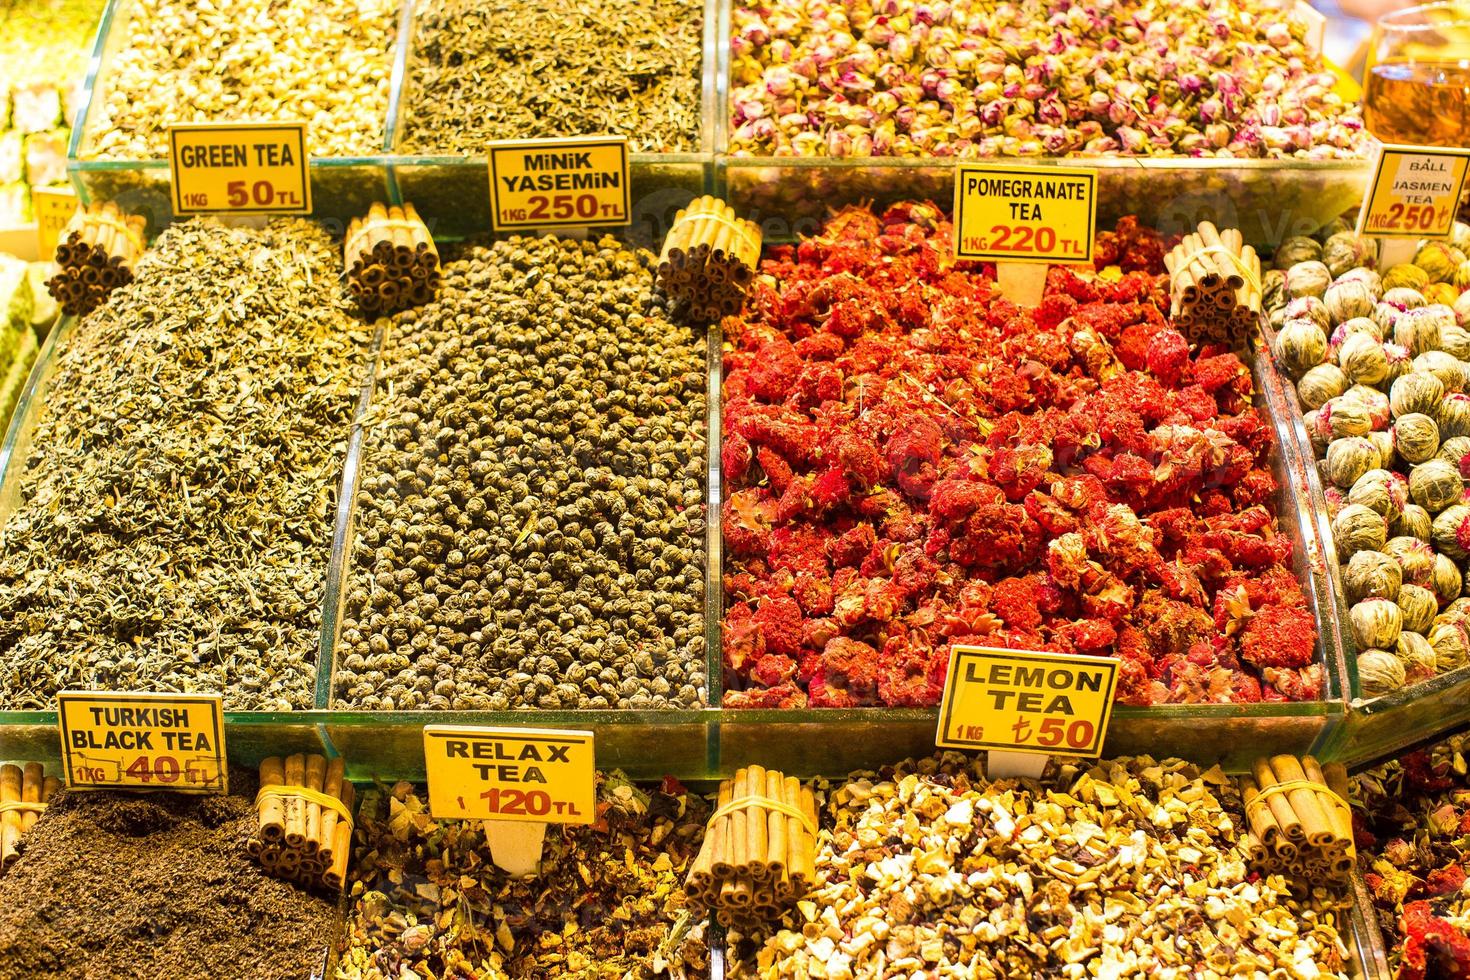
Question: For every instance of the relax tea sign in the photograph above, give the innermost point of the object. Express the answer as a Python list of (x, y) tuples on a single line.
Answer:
[(1022, 701), (518, 774)]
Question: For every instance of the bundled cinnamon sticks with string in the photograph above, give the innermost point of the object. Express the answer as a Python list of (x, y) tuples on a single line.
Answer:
[(1214, 287), (24, 792), (96, 253), (759, 850), (390, 259), (305, 809), (1299, 819), (708, 259)]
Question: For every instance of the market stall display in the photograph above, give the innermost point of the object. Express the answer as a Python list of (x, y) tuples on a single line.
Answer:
[(376, 471), (19, 339), (427, 898), (174, 508), (43, 48)]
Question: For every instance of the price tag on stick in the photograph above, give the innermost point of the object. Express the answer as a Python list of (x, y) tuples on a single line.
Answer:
[(517, 779), (173, 742), (1020, 701), (54, 207), (239, 168), (545, 185), (1415, 192), (1023, 218)]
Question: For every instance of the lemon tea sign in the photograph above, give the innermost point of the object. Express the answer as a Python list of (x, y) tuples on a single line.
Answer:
[(1023, 701)]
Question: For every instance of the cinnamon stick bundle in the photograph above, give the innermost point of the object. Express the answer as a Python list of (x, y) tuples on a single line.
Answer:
[(96, 254), (300, 835), (758, 857), (390, 260), (1214, 287), (25, 790), (708, 260), (1298, 823)]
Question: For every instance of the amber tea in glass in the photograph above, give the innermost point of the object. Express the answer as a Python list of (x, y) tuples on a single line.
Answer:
[(1418, 79)]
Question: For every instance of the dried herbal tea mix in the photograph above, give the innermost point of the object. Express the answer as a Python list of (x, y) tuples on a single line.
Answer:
[(427, 900), (912, 462), (511, 69), (1128, 868), (1381, 361), (121, 885), (531, 519), (326, 63), (176, 504), (1412, 820)]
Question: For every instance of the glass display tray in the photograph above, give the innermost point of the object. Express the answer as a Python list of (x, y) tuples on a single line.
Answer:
[(831, 741), (1374, 727), (788, 196), (646, 744), (1369, 950), (341, 187), (452, 191), (1268, 200), (706, 742), (32, 734)]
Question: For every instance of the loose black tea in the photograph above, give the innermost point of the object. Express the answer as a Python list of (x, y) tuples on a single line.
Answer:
[(120, 885)]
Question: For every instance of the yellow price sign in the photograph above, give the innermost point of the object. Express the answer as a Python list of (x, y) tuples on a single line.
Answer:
[(239, 168), (523, 774), (173, 742), (559, 183), (1022, 701), (1006, 213), (54, 207), (1415, 192)]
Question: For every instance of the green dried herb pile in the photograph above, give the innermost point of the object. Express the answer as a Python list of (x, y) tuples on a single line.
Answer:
[(175, 507), (509, 69), (531, 518)]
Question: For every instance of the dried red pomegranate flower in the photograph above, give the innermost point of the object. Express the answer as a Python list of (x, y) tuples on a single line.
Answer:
[(911, 461)]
